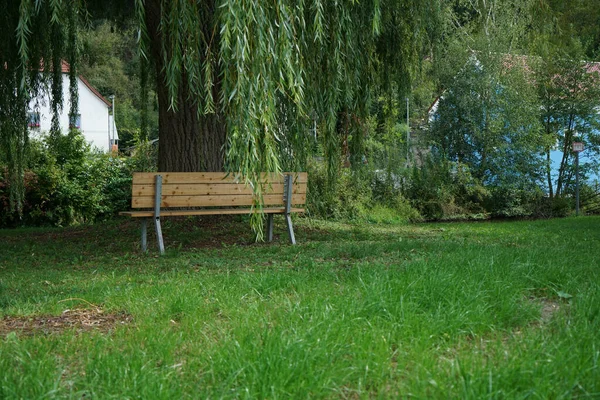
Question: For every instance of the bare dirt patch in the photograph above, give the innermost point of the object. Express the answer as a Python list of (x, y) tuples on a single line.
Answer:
[(548, 309), (79, 320)]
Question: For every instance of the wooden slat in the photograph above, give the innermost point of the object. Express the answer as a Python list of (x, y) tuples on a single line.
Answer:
[(219, 211), (213, 201), (208, 189), (144, 178)]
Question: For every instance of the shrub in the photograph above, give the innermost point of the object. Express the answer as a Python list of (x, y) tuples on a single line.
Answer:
[(144, 157), (562, 206), (345, 199), (67, 183), (507, 201), (358, 195), (442, 190)]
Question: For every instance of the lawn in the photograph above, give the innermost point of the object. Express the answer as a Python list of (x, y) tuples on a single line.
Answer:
[(480, 310)]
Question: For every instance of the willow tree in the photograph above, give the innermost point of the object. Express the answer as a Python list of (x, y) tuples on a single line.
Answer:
[(240, 83)]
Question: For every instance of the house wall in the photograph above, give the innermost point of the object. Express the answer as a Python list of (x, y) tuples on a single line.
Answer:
[(93, 111)]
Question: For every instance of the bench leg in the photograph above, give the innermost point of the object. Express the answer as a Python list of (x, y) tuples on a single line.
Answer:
[(144, 234), (288, 220), (270, 227), (159, 238)]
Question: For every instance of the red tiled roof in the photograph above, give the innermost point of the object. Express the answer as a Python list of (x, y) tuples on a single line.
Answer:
[(65, 67), (95, 91)]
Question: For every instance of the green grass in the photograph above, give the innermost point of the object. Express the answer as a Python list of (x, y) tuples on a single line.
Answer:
[(369, 311)]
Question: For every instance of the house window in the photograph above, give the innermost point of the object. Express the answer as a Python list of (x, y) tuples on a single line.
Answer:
[(75, 121), (33, 119)]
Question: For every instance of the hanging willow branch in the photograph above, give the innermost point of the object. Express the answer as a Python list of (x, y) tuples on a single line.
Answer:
[(36, 37)]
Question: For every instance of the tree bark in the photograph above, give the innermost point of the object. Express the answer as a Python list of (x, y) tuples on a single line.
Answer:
[(565, 157), (549, 174), (214, 135), (179, 134), (189, 141), (549, 161)]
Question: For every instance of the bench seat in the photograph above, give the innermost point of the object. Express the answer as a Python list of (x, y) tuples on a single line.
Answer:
[(218, 211)]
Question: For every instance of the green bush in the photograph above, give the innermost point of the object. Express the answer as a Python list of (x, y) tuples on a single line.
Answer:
[(144, 157), (345, 199), (66, 183), (562, 206), (590, 198), (443, 190), (358, 195), (508, 202)]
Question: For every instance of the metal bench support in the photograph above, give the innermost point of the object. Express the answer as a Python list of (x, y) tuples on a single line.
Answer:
[(270, 227), (287, 199), (144, 234), (157, 201)]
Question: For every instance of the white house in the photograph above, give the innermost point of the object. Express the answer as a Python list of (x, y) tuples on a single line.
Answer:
[(94, 119)]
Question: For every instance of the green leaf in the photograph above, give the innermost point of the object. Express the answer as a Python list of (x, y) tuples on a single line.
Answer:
[(564, 295)]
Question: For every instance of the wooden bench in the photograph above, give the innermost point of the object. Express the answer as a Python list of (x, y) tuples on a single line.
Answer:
[(167, 194)]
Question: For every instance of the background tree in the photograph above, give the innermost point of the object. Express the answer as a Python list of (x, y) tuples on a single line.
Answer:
[(569, 90), (110, 62), (568, 84), (488, 114)]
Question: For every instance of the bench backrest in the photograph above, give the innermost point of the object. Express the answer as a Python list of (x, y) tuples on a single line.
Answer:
[(213, 189)]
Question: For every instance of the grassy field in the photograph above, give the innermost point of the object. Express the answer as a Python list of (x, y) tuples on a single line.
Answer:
[(482, 310)]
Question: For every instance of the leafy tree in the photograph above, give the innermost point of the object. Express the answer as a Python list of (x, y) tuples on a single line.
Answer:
[(487, 117), (569, 25), (234, 77), (568, 87), (569, 91)]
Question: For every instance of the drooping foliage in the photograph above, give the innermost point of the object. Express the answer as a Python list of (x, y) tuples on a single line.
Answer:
[(36, 37), (274, 70), (110, 62)]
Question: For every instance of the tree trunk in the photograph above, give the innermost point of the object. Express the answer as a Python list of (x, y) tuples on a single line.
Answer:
[(188, 141), (565, 158), (179, 134), (549, 174), (549, 162), (214, 135)]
